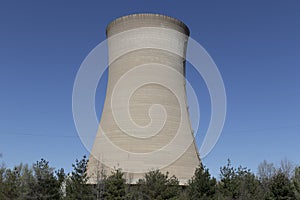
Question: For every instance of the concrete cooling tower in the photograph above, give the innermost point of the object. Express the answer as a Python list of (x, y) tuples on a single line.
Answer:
[(145, 122)]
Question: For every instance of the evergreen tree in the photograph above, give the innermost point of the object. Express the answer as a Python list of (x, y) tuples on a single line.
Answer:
[(158, 186), (12, 184), (115, 186), (228, 186), (239, 183), (2, 174), (26, 177), (202, 186), (76, 183), (296, 182), (281, 187), (44, 185)]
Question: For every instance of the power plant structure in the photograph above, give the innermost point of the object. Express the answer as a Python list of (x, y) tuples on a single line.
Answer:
[(145, 122)]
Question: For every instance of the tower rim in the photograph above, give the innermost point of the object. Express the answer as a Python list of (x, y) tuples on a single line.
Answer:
[(139, 16)]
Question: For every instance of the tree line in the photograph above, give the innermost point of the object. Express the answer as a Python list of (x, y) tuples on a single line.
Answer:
[(42, 182)]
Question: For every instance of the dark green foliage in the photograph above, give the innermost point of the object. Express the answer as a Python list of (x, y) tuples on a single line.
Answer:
[(24, 178), (281, 187), (41, 182), (296, 182), (2, 174), (76, 183), (21, 182), (249, 185), (158, 186), (238, 183), (44, 185), (202, 186), (12, 183), (115, 186), (228, 185)]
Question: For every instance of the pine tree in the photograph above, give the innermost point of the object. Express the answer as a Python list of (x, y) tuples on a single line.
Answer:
[(76, 183), (239, 183), (115, 186), (296, 182), (202, 186), (44, 185), (281, 187), (158, 186)]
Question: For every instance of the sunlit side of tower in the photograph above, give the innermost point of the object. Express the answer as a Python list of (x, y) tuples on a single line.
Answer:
[(145, 48)]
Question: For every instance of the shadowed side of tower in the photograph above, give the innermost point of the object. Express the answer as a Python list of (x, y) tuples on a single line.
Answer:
[(145, 123)]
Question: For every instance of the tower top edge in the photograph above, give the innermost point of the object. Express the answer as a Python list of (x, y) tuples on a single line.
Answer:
[(139, 20)]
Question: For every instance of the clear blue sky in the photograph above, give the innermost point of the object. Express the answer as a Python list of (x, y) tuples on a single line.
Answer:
[(255, 44)]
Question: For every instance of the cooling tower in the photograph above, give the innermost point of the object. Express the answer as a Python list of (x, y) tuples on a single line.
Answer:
[(145, 123)]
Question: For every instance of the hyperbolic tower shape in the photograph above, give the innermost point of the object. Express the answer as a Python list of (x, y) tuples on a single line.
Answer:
[(145, 123)]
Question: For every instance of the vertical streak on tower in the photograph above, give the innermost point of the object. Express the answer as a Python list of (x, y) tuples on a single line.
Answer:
[(145, 123)]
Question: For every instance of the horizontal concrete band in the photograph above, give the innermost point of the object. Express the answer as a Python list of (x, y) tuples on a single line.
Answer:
[(147, 38)]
